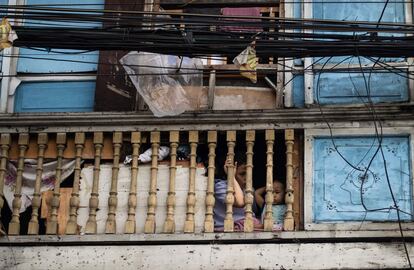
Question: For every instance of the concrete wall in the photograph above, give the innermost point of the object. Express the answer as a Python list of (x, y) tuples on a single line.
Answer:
[(212, 256)]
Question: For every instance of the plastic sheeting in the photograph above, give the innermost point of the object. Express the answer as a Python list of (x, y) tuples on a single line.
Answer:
[(165, 82)]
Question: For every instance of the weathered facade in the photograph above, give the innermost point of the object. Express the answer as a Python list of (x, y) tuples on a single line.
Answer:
[(341, 142)]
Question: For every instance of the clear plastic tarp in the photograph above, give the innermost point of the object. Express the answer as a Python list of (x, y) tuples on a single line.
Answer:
[(167, 83)]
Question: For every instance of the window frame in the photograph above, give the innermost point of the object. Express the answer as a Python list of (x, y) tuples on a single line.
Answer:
[(307, 13), (9, 66), (13, 79), (310, 135)]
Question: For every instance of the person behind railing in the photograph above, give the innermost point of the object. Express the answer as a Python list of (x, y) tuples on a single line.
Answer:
[(220, 189), (278, 206)]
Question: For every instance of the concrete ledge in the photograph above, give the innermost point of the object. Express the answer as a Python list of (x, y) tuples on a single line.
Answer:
[(342, 116), (206, 238), (210, 256)]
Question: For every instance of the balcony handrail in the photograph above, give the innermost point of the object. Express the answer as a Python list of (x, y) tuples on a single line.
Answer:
[(103, 147)]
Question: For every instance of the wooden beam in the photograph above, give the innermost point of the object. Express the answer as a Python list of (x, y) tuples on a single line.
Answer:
[(267, 67), (344, 117), (211, 89), (298, 181), (262, 10), (69, 152), (217, 3)]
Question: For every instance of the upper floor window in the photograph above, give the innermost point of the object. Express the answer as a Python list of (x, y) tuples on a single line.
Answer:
[(353, 79)]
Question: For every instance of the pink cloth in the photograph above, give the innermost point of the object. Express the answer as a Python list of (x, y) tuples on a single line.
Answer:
[(29, 179), (258, 226), (241, 11), (249, 11), (239, 226)]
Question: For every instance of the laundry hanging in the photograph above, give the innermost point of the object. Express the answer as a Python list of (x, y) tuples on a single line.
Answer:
[(48, 179), (7, 34), (239, 12), (247, 62)]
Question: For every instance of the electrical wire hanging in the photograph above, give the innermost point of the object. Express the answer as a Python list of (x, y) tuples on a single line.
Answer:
[(131, 31)]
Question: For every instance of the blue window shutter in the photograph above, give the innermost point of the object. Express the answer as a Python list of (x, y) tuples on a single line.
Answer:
[(34, 61), (345, 88), (55, 97), (298, 93), (368, 10), (337, 186)]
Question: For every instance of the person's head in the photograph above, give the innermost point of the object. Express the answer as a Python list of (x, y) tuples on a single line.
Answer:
[(278, 192)]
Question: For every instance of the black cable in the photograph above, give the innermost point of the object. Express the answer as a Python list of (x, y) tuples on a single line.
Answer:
[(227, 71), (355, 168), (379, 138), (170, 42), (194, 3), (119, 16), (323, 115), (25, 9)]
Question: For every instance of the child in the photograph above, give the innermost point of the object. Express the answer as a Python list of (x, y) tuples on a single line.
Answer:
[(278, 207), (220, 192)]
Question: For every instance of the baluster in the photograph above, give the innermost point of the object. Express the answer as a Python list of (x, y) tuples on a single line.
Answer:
[(113, 194), (130, 225), (249, 196), (91, 225), (228, 219), (14, 225), (72, 226), (5, 142), (149, 226), (169, 225), (268, 219), (209, 219), (189, 224), (288, 223), (52, 224), (42, 139)]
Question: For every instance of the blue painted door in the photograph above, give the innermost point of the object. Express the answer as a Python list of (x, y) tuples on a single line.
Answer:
[(340, 191)]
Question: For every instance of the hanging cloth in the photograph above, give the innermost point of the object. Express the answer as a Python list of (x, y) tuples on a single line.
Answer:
[(29, 179), (247, 62), (244, 11), (7, 34)]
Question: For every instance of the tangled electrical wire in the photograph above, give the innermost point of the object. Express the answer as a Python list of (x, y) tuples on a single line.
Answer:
[(197, 35)]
